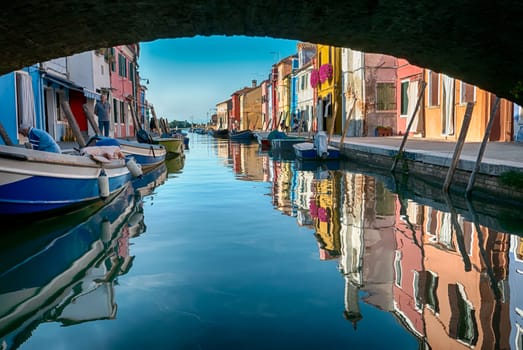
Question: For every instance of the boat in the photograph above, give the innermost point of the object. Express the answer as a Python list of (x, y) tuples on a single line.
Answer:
[(172, 144), (241, 135), (146, 154), (43, 183), (219, 133), (317, 150), (263, 140)]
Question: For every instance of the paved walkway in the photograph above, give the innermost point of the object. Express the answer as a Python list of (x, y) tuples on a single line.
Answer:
[(498, 157)]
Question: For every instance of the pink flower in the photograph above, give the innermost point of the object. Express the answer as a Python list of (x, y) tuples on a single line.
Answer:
[(315, 78), (325, 72)]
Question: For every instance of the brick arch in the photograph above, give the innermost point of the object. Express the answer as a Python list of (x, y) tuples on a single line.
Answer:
[(475, 41)]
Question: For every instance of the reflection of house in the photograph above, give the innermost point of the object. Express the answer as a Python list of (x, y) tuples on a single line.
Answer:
[(462, 274), (324, 210), (516, 291), (282, 187), (413, 286), (367, 245)]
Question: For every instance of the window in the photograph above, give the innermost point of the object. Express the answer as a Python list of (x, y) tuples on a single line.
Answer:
[(397, 268), (404, 98), (425, 287), (111, 59), (115, 109), (433, 89), (468, 93), (463, 325), (122, 66), (385, 96), (131, 72)]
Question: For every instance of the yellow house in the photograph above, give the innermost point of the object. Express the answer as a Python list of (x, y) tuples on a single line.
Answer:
[(446, 100), (326, 80)]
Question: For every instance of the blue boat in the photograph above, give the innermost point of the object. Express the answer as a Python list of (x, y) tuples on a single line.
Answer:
[(42, 183), (241, 135)]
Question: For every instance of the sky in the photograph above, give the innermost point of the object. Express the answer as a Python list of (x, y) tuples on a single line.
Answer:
[(189, 76)]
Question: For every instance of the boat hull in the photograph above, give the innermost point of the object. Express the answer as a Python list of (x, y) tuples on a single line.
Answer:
[(147, 155), (307, 151), (35, 182), (171, 144)]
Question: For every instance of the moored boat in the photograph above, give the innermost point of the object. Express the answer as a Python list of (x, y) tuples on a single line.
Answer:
[(40, 183), (317, 150), (241, 135), (173, 145)]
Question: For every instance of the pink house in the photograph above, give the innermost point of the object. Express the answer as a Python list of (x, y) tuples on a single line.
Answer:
[(123, 73), (407, 88)]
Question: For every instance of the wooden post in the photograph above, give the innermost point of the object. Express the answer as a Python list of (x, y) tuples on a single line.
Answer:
[(155, 119), (90, 118), (136, 122), (481, 151), (409, 125), (5, 136), (333, 121), (347, 121), (459, 146), (72, 122)]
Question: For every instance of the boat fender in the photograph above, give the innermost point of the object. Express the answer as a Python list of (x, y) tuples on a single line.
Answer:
[(135, 169), (103, 184)]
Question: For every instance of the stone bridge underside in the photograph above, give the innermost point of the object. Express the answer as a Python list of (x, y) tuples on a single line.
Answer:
[(477, 41)]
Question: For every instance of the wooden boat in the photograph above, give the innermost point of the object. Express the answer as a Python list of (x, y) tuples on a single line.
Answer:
[(286, 144), (219, 133), (146, 154), (317, 150), (263, 140), (172, 145), (241, 135), (42, 183)]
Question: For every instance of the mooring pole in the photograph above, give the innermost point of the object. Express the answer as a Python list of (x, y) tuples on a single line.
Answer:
[(459, 146), (482, 148), (347, 122), (72, 122), (404, 140)]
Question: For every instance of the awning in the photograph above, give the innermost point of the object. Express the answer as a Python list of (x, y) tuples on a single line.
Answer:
[(62, 82), (91, 94)]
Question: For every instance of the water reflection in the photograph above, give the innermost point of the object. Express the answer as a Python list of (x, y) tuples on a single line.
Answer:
[(64, 269), (440, 265)]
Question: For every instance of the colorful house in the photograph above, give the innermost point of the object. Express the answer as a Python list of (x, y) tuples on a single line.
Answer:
[(408, 87), (446, 99), (283, 91), (124, 88), (222, 114), (251, 102), (326, 79), (304, 91)]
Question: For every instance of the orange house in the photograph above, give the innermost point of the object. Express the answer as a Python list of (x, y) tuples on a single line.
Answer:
[(446, 99)]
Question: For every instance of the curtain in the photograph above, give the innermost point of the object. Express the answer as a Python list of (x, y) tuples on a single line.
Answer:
[(25, 99), (447, 108)]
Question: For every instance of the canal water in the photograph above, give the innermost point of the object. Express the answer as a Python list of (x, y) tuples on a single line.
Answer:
[(233, 247)]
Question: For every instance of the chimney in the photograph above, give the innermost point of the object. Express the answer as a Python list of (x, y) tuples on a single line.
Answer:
[(254, 83)]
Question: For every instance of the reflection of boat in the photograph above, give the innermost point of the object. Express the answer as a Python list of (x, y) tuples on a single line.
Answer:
[(312, 165), (150, 180), (65, 272), (36, 182), (175, 164)]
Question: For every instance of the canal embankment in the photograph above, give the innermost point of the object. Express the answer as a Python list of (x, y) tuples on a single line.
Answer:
[(500, 174)]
